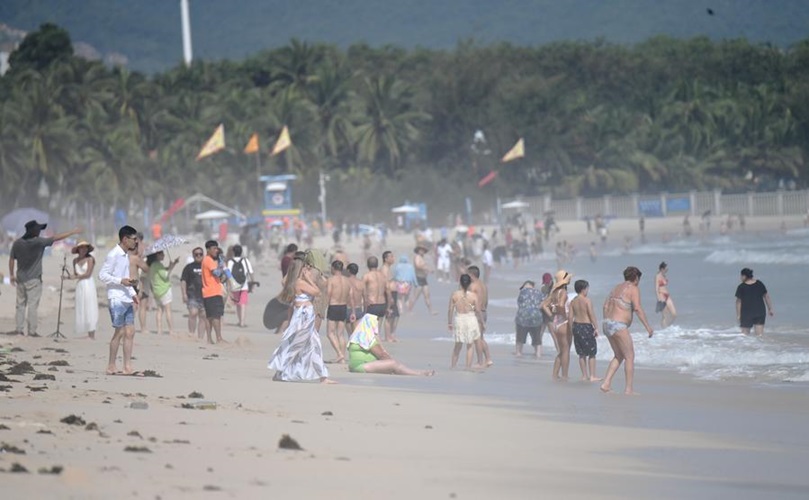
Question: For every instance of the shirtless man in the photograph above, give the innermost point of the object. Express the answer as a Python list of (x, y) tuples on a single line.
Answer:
[(138, 268), (145, 287), (479, 288), (357, 293), (376, 293), (392, 320), (422, 270), (338, 291)]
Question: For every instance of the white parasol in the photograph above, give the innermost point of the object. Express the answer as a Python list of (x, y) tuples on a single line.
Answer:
[(406, 209), (165, 242), (515, 204)]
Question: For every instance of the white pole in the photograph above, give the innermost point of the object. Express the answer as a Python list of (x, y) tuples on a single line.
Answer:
[(322, 197), (186, 18)]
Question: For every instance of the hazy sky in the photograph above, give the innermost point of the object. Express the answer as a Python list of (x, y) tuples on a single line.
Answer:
[(148, 31)]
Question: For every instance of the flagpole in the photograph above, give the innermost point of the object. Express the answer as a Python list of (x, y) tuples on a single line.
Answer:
[(258, 180)]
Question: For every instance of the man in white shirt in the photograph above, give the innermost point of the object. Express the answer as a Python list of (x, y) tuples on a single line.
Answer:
[(122, 295), (445, 252), (242, 276), (488, 261)]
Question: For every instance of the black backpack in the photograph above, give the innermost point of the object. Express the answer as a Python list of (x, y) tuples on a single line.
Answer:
[(238, 271)]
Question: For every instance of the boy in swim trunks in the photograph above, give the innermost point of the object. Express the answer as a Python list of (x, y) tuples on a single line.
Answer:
[(582, 317)]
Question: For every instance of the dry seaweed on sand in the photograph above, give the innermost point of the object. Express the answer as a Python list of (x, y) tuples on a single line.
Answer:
[(73, 420), (288, 443), (137, 449), (21, 368), (55, 470), (10, 448)]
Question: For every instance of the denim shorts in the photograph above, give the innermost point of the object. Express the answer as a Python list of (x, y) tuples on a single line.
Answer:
[(122, 314)]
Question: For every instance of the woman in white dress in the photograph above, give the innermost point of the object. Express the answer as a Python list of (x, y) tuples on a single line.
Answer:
[(299, 357), (86, 297)]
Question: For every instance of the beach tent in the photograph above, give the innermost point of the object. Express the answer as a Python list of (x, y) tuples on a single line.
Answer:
[(196, 201), (406, 209), (515, 204), (212, 214)]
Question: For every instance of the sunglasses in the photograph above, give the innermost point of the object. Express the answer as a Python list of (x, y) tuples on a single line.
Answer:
[(197, 254)]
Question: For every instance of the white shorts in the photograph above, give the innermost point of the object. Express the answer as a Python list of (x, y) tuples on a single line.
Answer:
[(443, 265), (165, 299)]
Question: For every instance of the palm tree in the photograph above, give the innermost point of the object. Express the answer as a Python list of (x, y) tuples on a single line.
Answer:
[(330, 93), (388, 125)]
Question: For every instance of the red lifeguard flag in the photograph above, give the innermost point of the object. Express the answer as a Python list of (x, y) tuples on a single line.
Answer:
[(487, 179)]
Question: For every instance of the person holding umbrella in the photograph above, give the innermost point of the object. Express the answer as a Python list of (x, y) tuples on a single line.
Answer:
[(160, 278)]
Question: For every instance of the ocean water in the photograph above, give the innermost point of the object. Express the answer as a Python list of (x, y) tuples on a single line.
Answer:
[(705, 341)]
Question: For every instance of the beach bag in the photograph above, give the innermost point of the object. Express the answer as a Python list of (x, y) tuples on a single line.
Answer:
[(238, 271), (403, 287)]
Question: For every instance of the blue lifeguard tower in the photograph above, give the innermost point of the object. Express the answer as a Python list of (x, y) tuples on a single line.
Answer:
[(278, 195)]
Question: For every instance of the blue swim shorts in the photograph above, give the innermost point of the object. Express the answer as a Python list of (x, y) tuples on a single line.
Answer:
[(122, 314)]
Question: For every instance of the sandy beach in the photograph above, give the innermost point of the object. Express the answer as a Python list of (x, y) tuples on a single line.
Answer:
[(508, 432)]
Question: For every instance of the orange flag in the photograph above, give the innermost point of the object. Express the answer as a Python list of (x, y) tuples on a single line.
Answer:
[(252, 145), (283, 141), (518, 151), (215, 144)]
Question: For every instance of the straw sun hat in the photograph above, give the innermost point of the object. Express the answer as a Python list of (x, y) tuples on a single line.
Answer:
[(562, 278), (80, 244)]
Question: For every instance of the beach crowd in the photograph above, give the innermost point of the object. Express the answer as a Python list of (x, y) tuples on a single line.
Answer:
[(361, 311)]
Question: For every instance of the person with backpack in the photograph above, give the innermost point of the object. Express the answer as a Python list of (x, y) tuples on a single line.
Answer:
[(242, 273)]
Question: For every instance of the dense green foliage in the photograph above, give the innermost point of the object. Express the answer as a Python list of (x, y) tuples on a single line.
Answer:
[(390, 124), (42, 48)]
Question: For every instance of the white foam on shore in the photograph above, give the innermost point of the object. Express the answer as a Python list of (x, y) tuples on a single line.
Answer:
[(708, 354), (749, 257)]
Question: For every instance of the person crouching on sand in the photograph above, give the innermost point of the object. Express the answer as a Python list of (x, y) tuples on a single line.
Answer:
[(464, 320)]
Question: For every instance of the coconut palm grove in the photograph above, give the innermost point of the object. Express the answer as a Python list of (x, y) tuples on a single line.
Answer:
[(389, 123)]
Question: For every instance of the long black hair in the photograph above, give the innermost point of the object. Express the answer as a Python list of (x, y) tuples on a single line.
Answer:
[(465, 280)]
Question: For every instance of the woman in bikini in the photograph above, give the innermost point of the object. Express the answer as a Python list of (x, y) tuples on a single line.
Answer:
[(555, 307), (464, 320), (621, 304), (664, 302)]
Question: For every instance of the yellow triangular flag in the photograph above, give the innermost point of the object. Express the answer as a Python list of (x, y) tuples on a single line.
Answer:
[(215, 143), (283, 141), (518, 151), (252, 145)]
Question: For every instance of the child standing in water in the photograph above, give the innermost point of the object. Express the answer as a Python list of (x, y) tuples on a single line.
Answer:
[(582, 320)]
